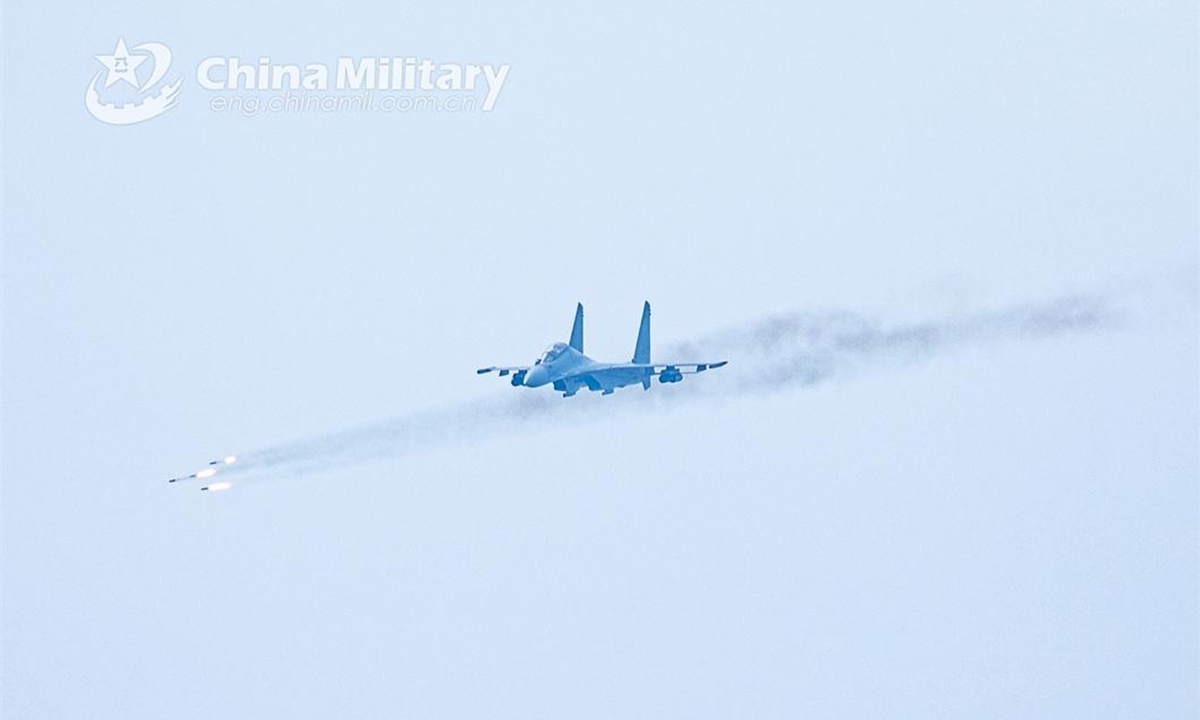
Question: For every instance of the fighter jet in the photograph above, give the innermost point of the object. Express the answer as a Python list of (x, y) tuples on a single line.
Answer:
[(567, 369)]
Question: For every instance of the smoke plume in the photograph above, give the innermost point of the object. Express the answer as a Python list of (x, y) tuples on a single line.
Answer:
[(771, 355)]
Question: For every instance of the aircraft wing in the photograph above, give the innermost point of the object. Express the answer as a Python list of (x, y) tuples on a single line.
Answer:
[(503, 370), (687, 368), (613, 375)]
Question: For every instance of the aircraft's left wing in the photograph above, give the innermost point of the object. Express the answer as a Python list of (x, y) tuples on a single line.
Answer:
[(687, 368), (667, 372)]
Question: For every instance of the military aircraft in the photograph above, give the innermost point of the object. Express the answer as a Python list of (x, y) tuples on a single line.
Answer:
[(564, 365)]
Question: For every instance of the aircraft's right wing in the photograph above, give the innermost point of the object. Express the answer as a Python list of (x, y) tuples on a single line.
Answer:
[(504, 371)]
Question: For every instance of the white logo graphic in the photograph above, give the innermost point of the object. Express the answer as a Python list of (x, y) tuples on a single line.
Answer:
[(133, 106)]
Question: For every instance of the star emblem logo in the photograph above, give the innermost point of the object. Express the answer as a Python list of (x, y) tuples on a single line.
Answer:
[(121, 65), (151, 98)]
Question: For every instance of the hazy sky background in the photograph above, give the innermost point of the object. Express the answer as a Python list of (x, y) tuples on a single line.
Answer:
[(1006, 530)]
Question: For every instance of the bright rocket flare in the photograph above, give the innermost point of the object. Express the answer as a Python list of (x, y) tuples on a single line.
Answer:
[(206, 472)]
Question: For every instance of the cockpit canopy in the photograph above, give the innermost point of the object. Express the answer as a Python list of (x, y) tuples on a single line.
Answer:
[(551, 353)]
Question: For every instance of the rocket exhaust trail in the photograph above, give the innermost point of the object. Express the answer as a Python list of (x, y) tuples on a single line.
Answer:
[(773, 355), (207, 472)]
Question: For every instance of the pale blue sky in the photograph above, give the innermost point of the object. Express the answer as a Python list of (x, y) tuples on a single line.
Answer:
[(1004, 531)]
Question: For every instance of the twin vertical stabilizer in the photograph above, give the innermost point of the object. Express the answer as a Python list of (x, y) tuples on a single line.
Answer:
[(641, 352)]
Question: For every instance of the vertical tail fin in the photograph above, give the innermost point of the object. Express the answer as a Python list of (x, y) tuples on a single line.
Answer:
[(577, 329), (641, 353)]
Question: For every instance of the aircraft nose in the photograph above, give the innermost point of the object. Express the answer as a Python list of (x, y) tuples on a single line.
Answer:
[(536, 377)]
